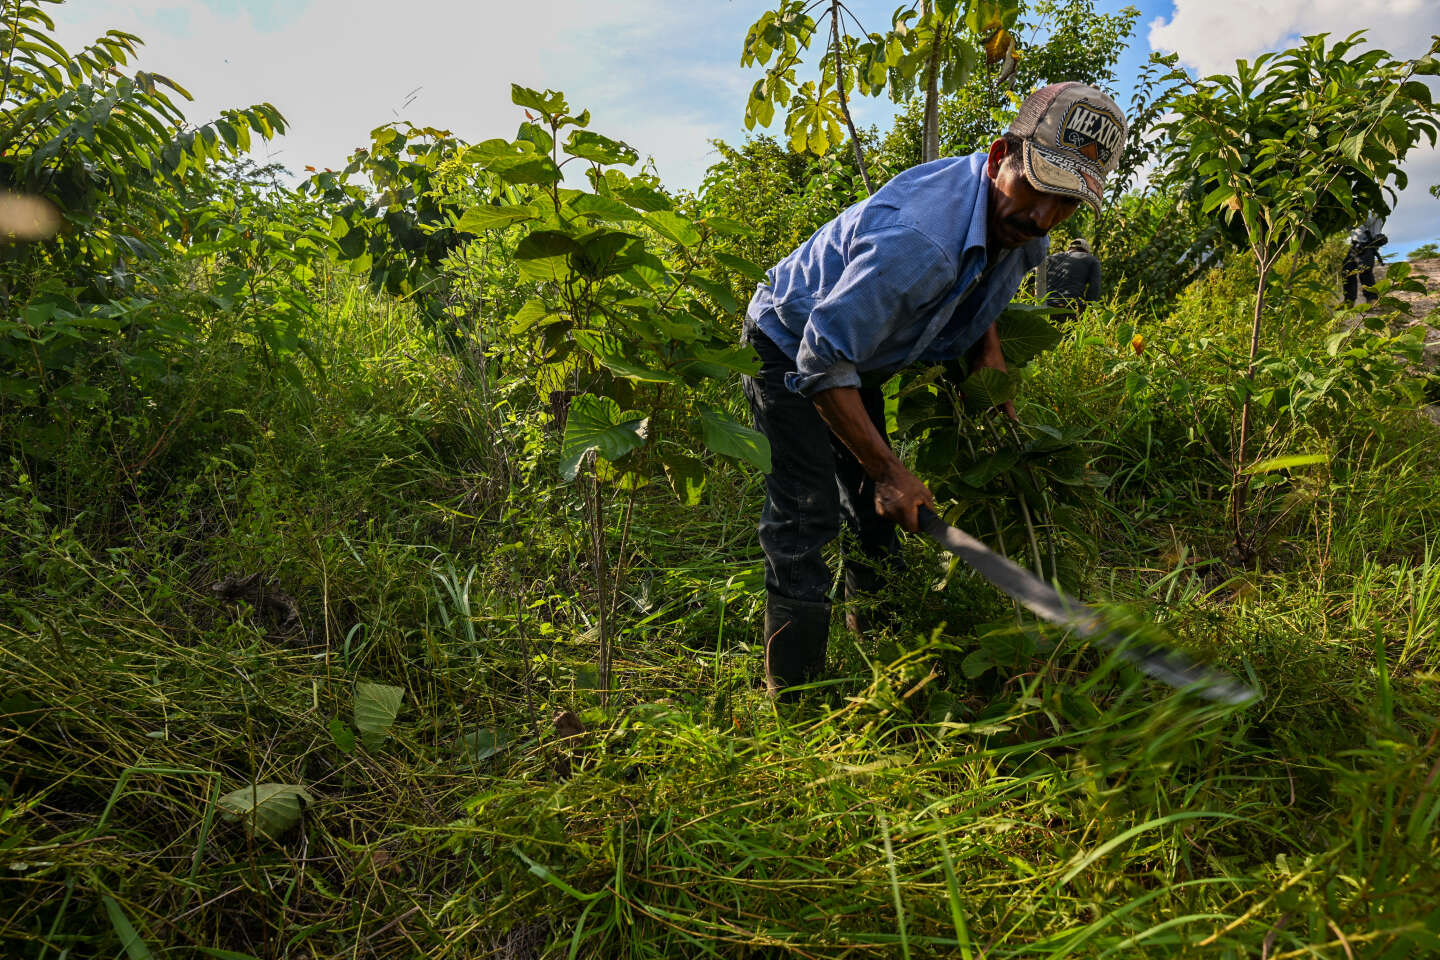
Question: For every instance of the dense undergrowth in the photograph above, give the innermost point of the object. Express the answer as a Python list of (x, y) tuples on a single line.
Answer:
[(1047, 805), (326, 632)]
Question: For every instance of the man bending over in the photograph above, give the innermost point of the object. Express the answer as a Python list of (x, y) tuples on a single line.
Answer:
[(916, 274)]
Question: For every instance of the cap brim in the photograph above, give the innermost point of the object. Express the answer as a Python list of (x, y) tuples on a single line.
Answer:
[(1064, 172)]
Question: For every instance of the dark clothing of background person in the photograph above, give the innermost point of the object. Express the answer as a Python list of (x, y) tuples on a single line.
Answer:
[(1359, 266), (1072, 278)]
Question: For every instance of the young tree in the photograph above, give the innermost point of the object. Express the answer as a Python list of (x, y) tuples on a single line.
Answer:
[(934, 42), (1291, 149), (1065, 40)]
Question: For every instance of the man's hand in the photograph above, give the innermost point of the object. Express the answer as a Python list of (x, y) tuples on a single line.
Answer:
[(899, 496), (898, 492)]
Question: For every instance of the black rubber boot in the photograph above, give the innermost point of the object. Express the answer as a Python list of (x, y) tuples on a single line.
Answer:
[(796, 635)]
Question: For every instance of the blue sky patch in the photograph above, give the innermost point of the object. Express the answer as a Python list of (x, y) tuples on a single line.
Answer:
[(267, 15)]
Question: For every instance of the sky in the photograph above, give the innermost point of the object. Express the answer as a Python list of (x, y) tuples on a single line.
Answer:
[(660, 74)]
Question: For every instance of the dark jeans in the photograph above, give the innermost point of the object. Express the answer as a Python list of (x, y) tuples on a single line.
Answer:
[(1359, 268), (814, 486)]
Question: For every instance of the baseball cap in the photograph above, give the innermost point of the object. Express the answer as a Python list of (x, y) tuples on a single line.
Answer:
[(1074, 135)]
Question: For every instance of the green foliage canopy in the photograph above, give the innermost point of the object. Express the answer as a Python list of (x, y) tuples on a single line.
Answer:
[(1078, 43), (940, 42), (1299, 145)]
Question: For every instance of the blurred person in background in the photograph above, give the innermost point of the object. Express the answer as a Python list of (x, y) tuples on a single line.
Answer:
[(1070, 279), (1359, 266)]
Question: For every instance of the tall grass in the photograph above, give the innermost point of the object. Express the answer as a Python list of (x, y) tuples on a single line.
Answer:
[(1053, 807)]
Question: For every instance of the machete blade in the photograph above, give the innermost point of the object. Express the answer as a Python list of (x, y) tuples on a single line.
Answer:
[(1166, 664)]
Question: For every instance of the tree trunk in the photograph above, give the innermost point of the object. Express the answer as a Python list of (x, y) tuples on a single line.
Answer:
[(602, 578), (1240, 481), (840, 89), (930, 144)]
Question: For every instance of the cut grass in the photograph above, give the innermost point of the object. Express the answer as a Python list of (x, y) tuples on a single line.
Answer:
[(1056, 807)]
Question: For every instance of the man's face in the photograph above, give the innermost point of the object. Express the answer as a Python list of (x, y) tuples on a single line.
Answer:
[(1018, 212)]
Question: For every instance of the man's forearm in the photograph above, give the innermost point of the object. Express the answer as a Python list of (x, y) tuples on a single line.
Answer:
[(844, 413), (987, 351), (899, 494)]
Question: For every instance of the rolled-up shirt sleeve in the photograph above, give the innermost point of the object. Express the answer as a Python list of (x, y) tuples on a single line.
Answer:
[(890, 275)]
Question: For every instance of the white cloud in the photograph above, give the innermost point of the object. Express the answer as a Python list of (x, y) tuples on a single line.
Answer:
[(338, 68), (663, 76), (1210, 35)]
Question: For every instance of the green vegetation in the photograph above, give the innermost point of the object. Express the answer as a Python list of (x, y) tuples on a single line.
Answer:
[(378, 572), (1290, 150)]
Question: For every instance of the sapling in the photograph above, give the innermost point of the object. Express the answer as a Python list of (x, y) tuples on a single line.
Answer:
[(1291, 149)]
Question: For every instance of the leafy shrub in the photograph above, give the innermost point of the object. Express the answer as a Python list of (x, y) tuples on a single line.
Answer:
[(94, 312)]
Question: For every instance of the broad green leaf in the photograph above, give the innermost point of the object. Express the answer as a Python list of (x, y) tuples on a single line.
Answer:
[(990, 467), (489, 217), (1352, 145), (352, 244), (610, 352), (546, 243), (130, 940), (376, 707), (741, 358), (730, 228), (716, 290), (487, 152), (528, 168), (537, 135), (1025, 334), (597, 423), (534, 312), (644, 197), (621, 478), (267, 809), (343, 736), (740, 265), (548, 102), (988, 387), (544, 269), (601, 208), (674, 227), (680, 327), (728, 438), (1216, 197), (592, 146), (650, 273), (686, 476), (557, 376), (606, 253)]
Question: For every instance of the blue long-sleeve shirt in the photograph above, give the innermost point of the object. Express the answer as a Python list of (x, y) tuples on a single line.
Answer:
[(898, 278)]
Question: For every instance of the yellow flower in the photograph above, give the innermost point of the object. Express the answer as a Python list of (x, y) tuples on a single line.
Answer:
[(1137, 343)]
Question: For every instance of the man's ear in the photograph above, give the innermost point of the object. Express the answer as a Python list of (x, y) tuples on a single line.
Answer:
[(999, 150)]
